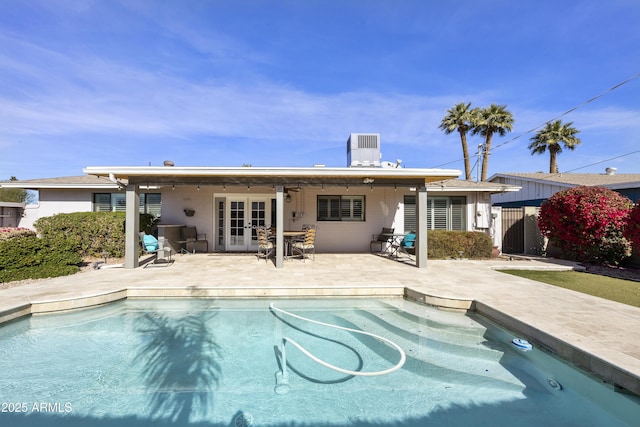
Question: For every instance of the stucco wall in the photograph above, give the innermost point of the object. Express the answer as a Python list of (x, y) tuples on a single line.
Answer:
[(55, 201)]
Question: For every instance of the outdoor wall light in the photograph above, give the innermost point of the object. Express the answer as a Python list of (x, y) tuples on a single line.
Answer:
[(287, 198)]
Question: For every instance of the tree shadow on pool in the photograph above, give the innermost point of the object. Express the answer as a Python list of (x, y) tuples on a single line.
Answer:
[(178, 362)]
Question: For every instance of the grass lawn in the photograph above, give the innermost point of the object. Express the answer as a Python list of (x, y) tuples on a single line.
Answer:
[(624, 291)]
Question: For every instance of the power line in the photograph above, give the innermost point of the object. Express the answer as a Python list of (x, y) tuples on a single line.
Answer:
[(604, 161), (588, 101)]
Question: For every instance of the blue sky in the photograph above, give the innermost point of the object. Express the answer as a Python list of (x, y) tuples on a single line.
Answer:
[(284, 83)]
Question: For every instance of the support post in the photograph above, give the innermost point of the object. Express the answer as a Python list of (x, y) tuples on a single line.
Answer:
[(421, 224), (132, 227), (279, 226)]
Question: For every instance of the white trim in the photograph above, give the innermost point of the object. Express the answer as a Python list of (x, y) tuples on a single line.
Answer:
[(312, 172)]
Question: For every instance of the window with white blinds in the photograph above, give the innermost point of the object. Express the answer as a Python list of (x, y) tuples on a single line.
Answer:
[(443, 213), (116, 202)]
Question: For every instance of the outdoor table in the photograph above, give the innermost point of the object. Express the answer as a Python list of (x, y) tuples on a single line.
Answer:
[(394, 244), (288, 236)]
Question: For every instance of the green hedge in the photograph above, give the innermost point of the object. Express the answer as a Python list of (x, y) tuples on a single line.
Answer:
[(442, 244), (30, 257), (92, 233)]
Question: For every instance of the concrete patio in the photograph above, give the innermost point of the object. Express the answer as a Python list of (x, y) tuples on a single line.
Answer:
[(592, 333)]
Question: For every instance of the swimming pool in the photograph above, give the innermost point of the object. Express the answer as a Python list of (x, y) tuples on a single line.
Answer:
[(216, 363)]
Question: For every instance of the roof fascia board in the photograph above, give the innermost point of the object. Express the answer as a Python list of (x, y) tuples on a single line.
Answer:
[(428, 175)]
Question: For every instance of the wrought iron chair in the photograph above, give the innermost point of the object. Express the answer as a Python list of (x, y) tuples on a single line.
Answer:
[(307, 244), (265, 243)]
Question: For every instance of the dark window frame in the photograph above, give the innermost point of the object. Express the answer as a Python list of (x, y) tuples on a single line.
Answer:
[(348, 208)]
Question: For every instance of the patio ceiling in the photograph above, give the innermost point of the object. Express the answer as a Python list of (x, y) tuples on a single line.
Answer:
[(315, 176)]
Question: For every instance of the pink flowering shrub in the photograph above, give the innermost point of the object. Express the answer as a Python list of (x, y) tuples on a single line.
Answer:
[(7, 233), (587, 224), (632, 230)]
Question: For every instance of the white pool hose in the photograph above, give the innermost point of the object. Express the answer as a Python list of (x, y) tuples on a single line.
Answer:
[(403, 356)]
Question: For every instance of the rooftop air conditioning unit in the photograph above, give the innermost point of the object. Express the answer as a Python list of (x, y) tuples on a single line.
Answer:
[(363, 150)]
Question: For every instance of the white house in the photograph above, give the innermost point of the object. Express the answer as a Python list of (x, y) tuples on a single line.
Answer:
[(347, 204)]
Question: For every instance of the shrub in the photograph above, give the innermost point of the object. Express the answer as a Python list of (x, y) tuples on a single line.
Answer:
[(586, 224), (92, 233), (442, 244), (33, 257)]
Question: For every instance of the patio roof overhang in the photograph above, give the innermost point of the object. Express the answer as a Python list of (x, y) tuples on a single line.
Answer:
[(273, 176)]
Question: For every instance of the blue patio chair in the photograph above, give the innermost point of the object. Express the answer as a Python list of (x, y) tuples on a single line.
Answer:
[(151, 245), (406, 245)]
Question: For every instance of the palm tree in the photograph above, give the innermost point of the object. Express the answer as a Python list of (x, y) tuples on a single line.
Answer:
[(550, 137), (494, 119), (461, 118)]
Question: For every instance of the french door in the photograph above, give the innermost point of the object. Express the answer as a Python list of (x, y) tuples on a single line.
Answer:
[(244, 215)]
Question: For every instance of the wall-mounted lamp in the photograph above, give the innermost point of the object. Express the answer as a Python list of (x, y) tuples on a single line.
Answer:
[(287, 198)]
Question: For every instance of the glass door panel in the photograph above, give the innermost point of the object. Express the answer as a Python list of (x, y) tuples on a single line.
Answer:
[(245, 215)]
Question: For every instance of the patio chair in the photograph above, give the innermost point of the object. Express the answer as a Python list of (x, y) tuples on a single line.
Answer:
[(190, 237), (265, 243), (305, 245), (406, 245), (151, 245), (383, 239)]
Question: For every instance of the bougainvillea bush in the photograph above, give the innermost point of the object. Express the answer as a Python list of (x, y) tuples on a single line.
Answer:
[(587, 224), (632, 230)]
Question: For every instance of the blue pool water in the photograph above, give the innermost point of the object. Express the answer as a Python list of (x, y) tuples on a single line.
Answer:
[(215, 363)]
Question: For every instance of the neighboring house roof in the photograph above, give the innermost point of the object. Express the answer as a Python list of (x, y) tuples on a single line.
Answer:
[(466, 186), (83, 181), (11, 204), (614, 181)]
